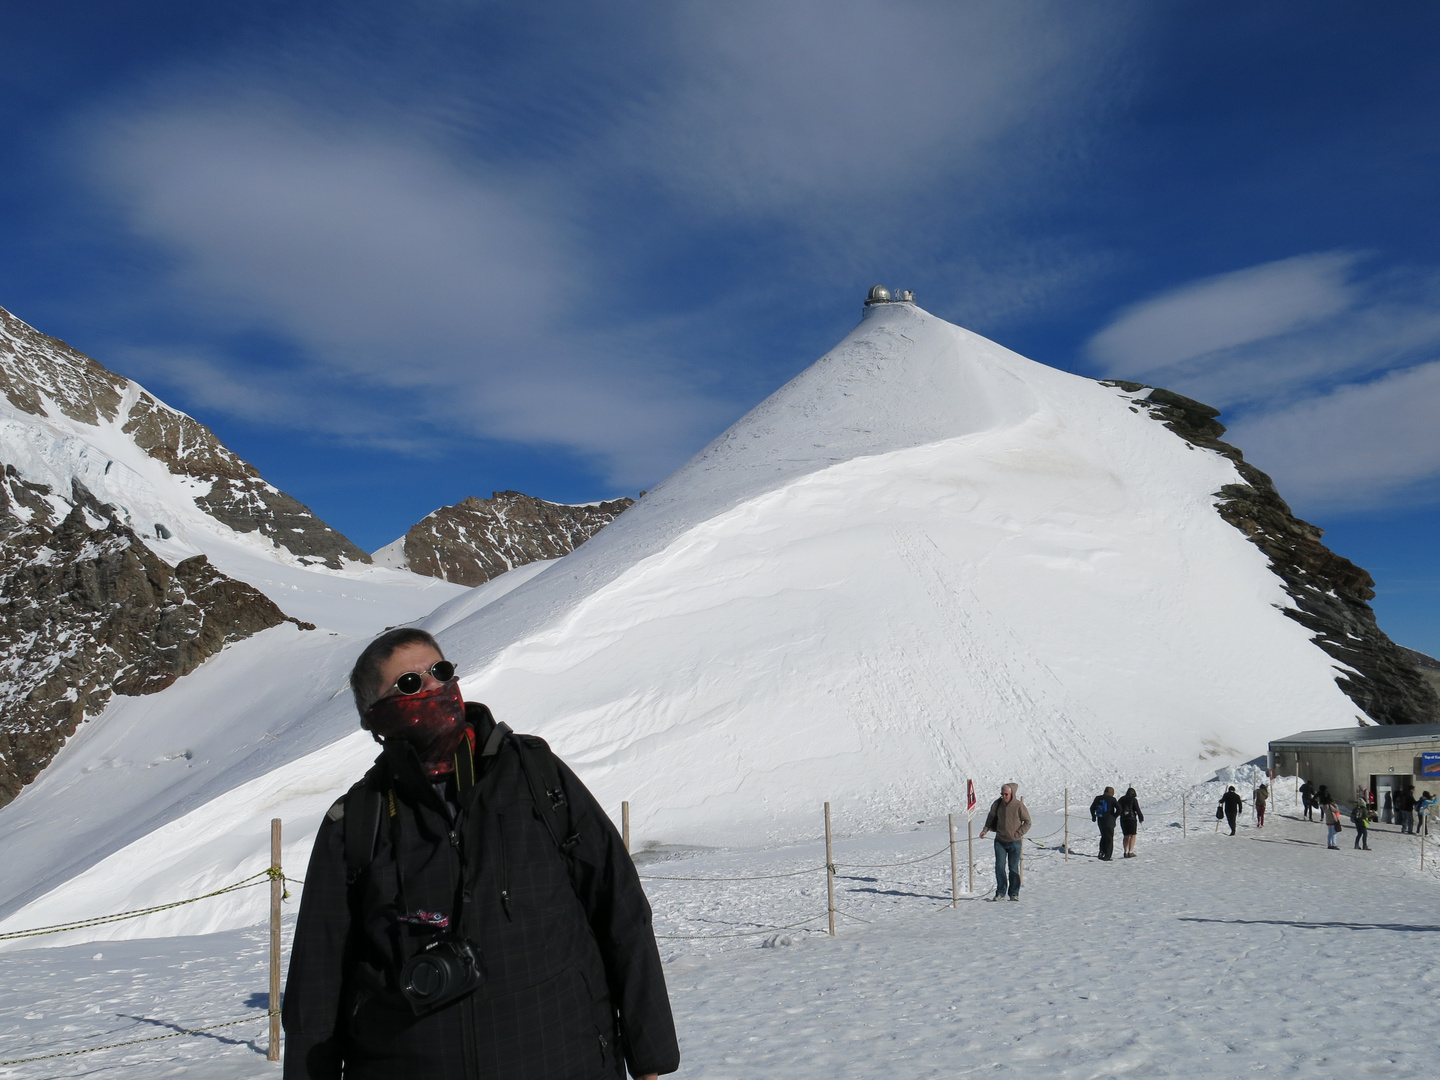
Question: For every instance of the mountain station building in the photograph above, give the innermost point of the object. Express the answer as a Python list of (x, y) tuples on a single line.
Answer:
[(1385, 758)]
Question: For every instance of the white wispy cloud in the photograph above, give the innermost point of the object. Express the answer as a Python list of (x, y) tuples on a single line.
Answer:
[(1328, 376), (1255, 304), (1360, 446), (436, 260)]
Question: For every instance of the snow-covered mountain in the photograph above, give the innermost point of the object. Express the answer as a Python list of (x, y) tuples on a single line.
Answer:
[(479, 539), (923, 560), (134, 545)]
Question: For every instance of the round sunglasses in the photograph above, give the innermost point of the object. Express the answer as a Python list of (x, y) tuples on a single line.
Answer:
[(412, 681)]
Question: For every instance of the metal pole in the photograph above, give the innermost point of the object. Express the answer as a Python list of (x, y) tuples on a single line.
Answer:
[(625, 823), (954, 872), (1067, 824), (829, 870), (970, 844), (1184, 816), (277, 892)]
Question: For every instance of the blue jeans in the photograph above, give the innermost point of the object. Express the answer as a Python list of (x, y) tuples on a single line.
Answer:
[(1007, 857)]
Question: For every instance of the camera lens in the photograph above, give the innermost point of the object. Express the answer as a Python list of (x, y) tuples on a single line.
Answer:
[(427, 978)]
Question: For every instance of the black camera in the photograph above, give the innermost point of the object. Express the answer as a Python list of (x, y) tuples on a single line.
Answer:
[(444, 971)]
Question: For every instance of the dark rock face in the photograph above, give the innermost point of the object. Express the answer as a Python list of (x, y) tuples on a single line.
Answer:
[(478, 539), (87, 610), (34, 367), (1331, 593), (1428, 667)]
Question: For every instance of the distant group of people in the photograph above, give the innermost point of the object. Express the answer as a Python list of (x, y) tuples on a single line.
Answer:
[(1403, 808), (1106, 810), (1009, 820)]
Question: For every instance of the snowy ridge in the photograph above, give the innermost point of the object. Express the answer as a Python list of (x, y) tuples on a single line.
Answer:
[(924, 559)]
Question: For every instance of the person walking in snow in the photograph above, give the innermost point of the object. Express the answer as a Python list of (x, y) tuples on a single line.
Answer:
[(1405, 810), (1422, 813), (1130, 819), (1360, 818), (1230, 805), (469, 912), (1103, 811), (1330, 815), (1262, 797), (1009, 821), (1307, 797)]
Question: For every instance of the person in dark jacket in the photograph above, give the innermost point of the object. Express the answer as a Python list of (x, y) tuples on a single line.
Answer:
[(462, 882), (1360, 818), (1307, 796), (1103, 811), (1130, 819), (1405, 810), (1231, 804)]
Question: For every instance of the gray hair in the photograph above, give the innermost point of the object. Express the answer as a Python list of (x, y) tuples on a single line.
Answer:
[(365, 675)]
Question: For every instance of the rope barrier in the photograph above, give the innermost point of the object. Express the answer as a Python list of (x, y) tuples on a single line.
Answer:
[(757, 877), (880, 866), (136, 1042), (101, 920), (747, 933)]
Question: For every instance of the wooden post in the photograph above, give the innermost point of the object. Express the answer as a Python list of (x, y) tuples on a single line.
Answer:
[(1067, 824), (277, 892), (970, 845), (829, 871), (625, 823), (954, 872)]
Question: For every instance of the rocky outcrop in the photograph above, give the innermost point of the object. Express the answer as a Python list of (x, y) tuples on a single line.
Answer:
[(87, 610), (38, 373), (1428, 667), (1331, 593), (478, 539)]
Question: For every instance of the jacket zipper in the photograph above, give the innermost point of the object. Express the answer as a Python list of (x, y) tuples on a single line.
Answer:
[(504, 872)]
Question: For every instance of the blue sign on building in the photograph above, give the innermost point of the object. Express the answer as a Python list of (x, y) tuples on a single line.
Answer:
[(1430, 763)]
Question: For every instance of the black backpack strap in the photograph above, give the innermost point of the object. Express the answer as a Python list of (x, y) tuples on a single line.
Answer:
[(361, 822), (542, 773)]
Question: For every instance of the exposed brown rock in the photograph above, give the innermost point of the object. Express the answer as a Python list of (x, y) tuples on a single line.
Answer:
[(478, 539), (34, 367), (1330, 592), (87, 610)]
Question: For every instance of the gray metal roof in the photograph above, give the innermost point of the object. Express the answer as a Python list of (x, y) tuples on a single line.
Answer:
[(1365, 736)]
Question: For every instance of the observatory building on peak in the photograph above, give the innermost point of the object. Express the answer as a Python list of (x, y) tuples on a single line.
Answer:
[(879, 294)]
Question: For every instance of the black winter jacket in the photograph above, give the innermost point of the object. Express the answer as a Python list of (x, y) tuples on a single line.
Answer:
[(574, 988), (1104, 807)]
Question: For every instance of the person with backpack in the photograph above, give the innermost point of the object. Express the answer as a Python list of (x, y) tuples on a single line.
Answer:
[(469, 910), (1130, 819), (1230, 806), (1103, 811), (1330, 815), (1360, 818), (1422, 813)]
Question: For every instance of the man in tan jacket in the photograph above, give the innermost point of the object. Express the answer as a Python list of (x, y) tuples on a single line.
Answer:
[(1009, 821)]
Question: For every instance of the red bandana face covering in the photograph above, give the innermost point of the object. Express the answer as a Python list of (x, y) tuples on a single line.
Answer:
[(432, 721)]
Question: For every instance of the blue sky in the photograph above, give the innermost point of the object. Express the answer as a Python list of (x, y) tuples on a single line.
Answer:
[(396, 254)]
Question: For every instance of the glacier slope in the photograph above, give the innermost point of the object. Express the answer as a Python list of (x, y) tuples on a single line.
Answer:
[(924, 559)]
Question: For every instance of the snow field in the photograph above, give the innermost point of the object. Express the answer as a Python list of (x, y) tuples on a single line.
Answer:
[(1208, 957)]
